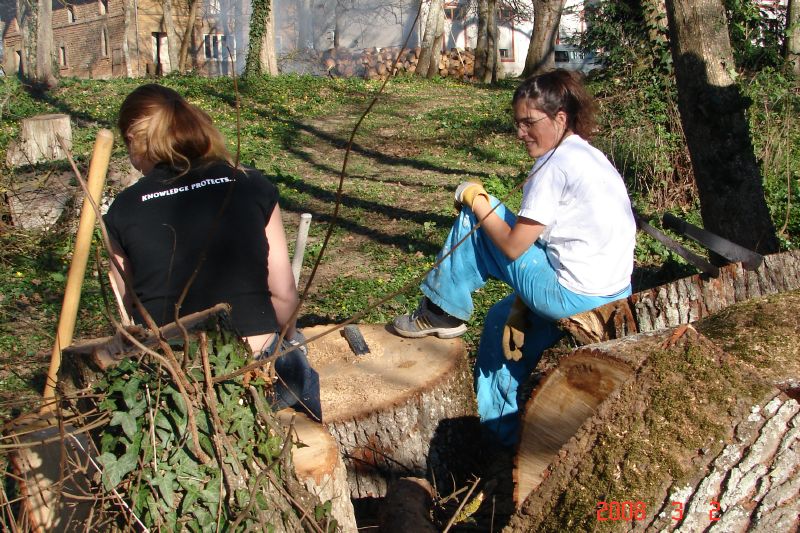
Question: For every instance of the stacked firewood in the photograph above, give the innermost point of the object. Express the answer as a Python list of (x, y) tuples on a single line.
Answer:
[(379, 63)]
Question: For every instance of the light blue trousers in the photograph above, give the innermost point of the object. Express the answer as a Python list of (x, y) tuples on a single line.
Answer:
[(468, 268)]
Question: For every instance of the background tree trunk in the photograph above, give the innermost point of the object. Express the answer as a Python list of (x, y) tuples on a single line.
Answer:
[(172, 36), (305, 32), (655, 14), (26, 19), (428, 63), (44, 45), (130, 47), (183, 60), (268, 58), (261, 51), (541, 50), (486, 47), (337, 23), (793, 35), (35, 25), (712, 111)]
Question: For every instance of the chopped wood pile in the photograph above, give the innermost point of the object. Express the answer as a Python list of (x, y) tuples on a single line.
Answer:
[(379, 63)]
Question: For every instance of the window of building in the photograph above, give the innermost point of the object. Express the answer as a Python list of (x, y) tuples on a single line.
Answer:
[(104, 42), (451, 10), (62, 56), (18, 60), (506, 14), (71, 14), (219, 47), (504, 54), (102, 6)]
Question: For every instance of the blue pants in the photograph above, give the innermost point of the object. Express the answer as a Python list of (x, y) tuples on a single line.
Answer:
[(533, 279), (298, 386)]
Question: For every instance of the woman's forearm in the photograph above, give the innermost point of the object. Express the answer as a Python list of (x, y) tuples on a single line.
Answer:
[(512, 241)]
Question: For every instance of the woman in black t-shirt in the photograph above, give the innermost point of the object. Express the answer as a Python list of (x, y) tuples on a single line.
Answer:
[(198, 224)]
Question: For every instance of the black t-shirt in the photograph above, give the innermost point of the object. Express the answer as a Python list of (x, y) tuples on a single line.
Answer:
[(213, 217)]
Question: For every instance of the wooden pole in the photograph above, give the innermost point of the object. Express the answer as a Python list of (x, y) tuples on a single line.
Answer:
[(77, 269), (300, 246)]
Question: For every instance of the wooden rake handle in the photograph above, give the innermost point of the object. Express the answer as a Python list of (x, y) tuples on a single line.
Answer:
[(98, 168)]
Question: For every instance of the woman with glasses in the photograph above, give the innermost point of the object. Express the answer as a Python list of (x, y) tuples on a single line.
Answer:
[(569, 248)]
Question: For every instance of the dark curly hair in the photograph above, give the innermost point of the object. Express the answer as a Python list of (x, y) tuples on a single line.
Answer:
[(561, 90)]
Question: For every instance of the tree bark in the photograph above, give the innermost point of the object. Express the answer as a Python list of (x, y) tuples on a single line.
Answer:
[(305, 32), (172, 36), (130, 42), (26, 20), (261, 57), (401, 410), (712, 111), (486, 48), (680, 419), (44, 45), (793, 35), (428, 64), (188, 33), (541, 50), (35, 18), (268, 57)]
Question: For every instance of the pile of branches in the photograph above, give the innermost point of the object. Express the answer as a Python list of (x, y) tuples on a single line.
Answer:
[(195, 453)]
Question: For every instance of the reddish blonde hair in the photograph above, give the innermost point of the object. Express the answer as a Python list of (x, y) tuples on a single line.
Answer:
[(561, 90), (159, 125)]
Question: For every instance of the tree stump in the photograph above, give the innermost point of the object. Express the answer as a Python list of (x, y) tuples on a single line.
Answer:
[(39, 140), (319, 466), (395, 411), (702, 432)]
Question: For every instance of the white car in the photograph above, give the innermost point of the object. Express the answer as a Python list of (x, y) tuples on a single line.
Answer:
[(573, 58)]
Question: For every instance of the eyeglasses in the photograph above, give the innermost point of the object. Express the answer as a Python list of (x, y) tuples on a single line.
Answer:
[(527, 123)]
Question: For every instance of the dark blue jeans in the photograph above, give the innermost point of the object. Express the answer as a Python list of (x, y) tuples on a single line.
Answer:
[(298, 384)]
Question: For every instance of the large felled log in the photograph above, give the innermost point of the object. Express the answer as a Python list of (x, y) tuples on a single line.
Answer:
[(318, 464), (391, 411), (39, 140), (704, 427), (685, 300)]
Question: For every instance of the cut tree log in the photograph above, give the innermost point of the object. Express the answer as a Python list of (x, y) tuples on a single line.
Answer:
[(685, 300), (39, 140), (559, 406), (394, 412), (705, 422), (319, 466)]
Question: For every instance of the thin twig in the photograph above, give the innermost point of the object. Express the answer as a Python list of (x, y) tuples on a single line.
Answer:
[(463, 503), (234, 480)]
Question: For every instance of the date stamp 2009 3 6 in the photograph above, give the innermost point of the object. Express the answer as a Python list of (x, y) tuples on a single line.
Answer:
[(630, 511)]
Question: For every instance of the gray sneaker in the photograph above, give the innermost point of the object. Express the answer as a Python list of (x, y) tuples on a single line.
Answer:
[(424, 322)]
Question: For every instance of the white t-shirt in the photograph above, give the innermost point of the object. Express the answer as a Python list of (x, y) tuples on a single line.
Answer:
[(580, 198)]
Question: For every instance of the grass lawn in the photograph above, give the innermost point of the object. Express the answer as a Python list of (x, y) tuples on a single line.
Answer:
[(420, 140)]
